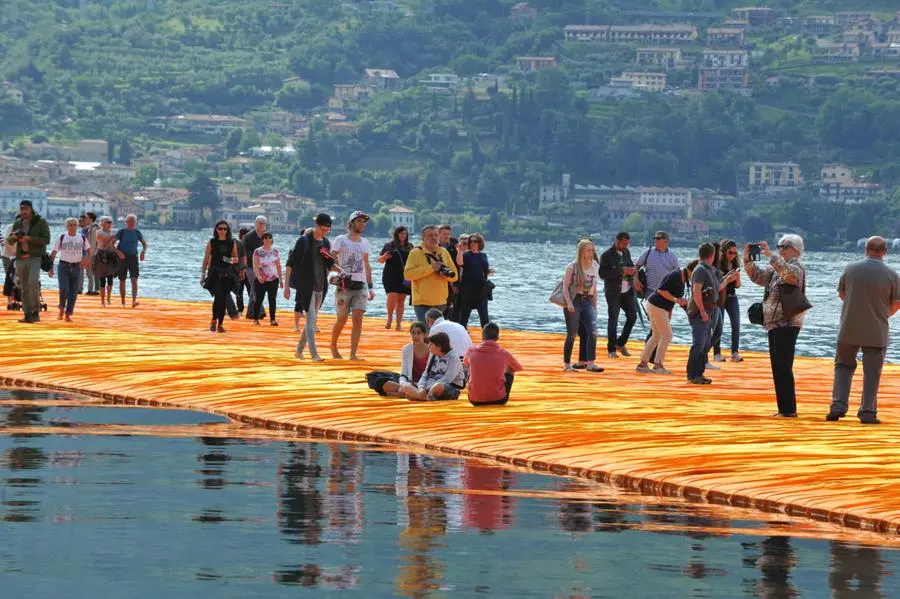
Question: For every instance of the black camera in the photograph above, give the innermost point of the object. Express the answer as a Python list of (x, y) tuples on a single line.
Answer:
[(755, 252), (20, 233), (445, 271)]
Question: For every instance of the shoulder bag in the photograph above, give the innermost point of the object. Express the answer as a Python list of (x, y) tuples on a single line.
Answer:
[(793, 298)]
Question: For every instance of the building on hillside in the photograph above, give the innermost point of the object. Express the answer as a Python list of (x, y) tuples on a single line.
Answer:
[(893, 36), (523, 12), (403, 217), (206, 124), (647, 33), (885, 51), (381, 79), (664, 203), (440, 82), (350, 97), (617, 89), (754, 15), (282, 122), (776, 175), (725, 37), (690, 227), (60, 208), (182, 215), (836, 51), (668, 58), (725, 59), (11, 196), (287, 202), (724, 70), (86, 150), (234, 195), (281, 9), (24, 173), (646, 82), (845, 18), (839, 184), (535, 63), (858, 36), (555, 196), (819, 24), (12, 92)]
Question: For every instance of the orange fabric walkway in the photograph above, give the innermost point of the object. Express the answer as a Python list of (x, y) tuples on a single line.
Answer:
[(646, 432)]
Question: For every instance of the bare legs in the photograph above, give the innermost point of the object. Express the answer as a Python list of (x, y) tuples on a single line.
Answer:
[(134, 291), (396, 302)]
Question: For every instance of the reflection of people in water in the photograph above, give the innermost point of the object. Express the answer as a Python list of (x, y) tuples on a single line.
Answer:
[(343, 501), (774, 562), (855, 572), (23, 416), (491, 509), (420, 573), (213, 462), (580, 515), (300, 509)]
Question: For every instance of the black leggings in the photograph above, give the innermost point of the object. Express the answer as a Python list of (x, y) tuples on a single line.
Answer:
[(269, 288), (221, 287)]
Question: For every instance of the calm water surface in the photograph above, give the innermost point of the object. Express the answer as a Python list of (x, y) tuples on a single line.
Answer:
[(190, 514), (526, 274)]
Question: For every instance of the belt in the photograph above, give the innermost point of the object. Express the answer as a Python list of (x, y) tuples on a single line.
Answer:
[(61, 262), (583, 296)]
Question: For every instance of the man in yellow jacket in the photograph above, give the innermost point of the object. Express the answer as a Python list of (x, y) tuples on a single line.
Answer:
[(431, 269)]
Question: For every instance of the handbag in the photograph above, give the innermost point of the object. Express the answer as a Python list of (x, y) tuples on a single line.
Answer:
[(557, 297), (377, 378), (793, 299), (755, 313), (489, 287)]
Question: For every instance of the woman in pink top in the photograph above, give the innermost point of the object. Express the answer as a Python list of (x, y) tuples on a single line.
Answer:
[(267, 266)]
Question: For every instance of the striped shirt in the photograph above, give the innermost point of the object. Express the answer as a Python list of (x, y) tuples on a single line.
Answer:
[(657, 264)]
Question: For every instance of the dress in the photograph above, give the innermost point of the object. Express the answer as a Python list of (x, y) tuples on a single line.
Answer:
[(392, 275)]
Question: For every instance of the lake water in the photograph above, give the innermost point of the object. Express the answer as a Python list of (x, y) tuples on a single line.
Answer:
[(131, 502), (526, 275)]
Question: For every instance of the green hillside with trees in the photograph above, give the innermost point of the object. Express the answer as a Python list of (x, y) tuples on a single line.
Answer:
[(108, 68)]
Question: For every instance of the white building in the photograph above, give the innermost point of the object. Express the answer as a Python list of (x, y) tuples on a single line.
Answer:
[(10, 196), (554, 196), (840, 185), (403, 217), (61, 208)]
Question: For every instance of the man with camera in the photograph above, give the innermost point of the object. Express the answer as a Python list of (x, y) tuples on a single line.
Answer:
[(430, 268), (32, 234)]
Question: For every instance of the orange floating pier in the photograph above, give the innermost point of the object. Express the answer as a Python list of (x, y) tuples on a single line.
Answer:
[(650, 433)]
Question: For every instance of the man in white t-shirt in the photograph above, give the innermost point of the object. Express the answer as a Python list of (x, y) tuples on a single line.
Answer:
[(9, 254), (354, 283), (459, 336)]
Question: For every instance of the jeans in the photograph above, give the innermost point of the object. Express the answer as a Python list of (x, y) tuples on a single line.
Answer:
[(614, 303), (69, 276), (844, 367), (782, 343), (88, 273), (585, 312), (660, 335), (260, 290), (422, 310), (464, 311), (308, 336), (733, 309), (28, 272), (701, 337)]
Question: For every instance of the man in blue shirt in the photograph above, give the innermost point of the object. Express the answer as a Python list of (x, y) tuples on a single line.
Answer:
[(127, 240), (656, 262)]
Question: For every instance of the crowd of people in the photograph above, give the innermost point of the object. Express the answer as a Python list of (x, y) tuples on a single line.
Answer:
[(446, 279)]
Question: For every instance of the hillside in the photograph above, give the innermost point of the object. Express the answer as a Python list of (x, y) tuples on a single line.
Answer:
[(111, 69)]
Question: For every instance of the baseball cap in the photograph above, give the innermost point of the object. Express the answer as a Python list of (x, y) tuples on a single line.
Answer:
[(357, 214), (324, 220), (26, 203)]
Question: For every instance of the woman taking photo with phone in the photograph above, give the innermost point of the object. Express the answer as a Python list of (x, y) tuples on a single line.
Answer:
[(218, 274), (728, 262), (393, 255)]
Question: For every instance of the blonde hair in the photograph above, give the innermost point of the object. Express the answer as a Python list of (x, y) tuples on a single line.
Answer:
[(579, 270)]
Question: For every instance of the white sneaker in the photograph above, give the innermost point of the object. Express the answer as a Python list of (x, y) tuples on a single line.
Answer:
[(661, 370), (718, 358), (645, 369), (736, 357), (711, 366)]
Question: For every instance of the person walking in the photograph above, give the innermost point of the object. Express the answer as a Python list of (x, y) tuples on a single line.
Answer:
[(267, 270), (393, 256), (430, 268), (106, 262), (252, 242), (243, 282), (74, 252), (475, 269), (309, 264), (127, 240), (617, 271), (579, 289), (784, 268), (90, 230), (870, 292), (31, 235), (219, 271), (656, 262), (728, 262), (660, 303), (351, 251), (9, 256)]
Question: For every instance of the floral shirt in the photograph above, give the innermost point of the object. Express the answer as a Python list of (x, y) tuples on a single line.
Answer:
[(267, 261), (771, 277)]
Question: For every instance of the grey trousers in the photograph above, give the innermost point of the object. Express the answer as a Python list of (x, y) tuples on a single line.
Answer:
[(29, 274), (308, 336), (845, 366)]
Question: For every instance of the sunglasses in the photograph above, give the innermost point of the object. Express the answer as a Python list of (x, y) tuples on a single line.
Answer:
[(221, 228), (784, 247)]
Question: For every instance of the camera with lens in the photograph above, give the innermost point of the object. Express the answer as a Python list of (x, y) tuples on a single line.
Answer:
[(445, 271), (755, 252), (20, 233)]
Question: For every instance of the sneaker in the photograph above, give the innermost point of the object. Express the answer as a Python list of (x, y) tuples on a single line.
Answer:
[(568, 367), (579, 366), (869, 420), (659, 369), (613, 355), (220, 329), (643, 368), (594, 368), (718, 358), (833, 416), (706, 381), (212, 326), (780, 415), (698, 380), (623, 350), (736, 357), (711, 366)]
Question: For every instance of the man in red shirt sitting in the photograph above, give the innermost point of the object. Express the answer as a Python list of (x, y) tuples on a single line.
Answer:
[(491, 369)]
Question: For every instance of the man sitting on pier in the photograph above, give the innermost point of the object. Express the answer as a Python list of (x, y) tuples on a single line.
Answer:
[(491, 369)]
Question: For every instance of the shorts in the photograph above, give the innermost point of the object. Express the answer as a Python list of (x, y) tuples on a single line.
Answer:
[(350, 301), (449, 392), (128, 268)]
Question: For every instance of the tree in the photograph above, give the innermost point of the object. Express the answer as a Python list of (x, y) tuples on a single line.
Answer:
[(634, 222), (492, 227), (125, 153), (233, 142), (145, 175), (755, 228), (110, 150), (203, 193), (249, 140)]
